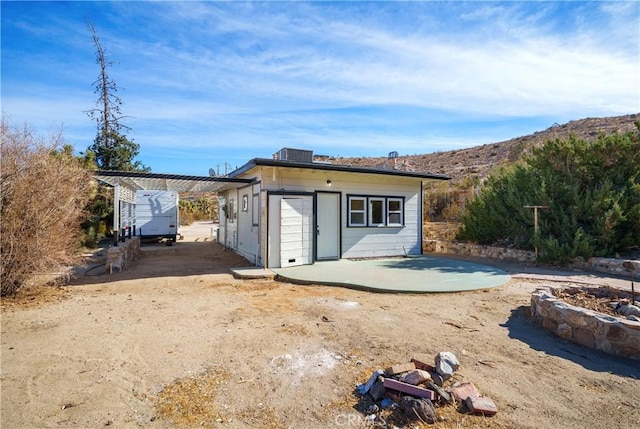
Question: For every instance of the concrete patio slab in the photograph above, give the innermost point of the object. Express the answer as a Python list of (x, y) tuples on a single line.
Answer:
[(252, 273), (412, 274)]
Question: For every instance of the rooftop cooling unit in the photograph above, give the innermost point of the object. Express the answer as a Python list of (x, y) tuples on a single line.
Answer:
[(297, 155)]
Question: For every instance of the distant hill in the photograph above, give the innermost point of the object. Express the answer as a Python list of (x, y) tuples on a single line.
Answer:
[(478, 161)]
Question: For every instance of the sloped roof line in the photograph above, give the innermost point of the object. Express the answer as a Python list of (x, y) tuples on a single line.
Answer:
[(333, 167), (164, 182)]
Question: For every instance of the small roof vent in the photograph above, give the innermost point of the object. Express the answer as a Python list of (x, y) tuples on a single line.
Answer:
[(298, 155)]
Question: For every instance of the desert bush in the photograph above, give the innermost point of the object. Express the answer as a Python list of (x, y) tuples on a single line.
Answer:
[(445, 203), (98, 224), (592, 190), (194, 209), (186, 218), (44, 189)]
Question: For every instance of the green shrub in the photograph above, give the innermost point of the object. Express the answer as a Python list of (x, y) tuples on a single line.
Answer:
[(592, 190)]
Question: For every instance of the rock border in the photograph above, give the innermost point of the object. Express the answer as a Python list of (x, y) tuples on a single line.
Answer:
[(614, 335), (120, 257), (628, 268), (476, 250)]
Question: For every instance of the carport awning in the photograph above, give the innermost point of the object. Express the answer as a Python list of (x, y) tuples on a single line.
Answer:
[(137, 181)]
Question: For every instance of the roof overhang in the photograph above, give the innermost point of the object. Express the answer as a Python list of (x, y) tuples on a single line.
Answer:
[(335, 167), (138, 181)]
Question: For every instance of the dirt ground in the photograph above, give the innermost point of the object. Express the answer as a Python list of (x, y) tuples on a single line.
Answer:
[(177, 341)]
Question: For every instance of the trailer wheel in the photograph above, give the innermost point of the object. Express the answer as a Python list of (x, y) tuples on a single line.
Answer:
[(169, 242)]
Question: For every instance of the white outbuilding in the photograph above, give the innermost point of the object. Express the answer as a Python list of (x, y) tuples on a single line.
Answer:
[(291, 210)]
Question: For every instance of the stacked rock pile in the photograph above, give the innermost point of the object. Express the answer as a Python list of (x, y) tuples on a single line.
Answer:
[(417, 388)]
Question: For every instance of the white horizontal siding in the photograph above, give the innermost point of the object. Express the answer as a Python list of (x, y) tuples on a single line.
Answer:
[(362, 241), (384, 241)]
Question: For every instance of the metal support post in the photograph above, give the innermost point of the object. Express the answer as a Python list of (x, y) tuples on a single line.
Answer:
[(116, 213)]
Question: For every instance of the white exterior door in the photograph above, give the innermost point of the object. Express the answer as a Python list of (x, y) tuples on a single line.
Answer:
[(328, 231), (295, 231)]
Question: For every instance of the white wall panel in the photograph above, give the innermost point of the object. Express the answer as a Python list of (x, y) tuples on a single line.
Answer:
[(368, 241)]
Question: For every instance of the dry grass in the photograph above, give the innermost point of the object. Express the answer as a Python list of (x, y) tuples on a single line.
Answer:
[(262, 417), (44, 190), (294, 330), (590, 302), (452, 417), (191, 401), (595, 299), (34, 296)]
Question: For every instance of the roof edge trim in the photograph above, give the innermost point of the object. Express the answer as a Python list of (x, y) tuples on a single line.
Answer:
[(334, 167), (146, 175)]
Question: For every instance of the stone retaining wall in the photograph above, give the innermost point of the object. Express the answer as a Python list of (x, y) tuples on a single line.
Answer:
[(475, 250), (615, 335), (121, 256), (620, 267), (440, 230)]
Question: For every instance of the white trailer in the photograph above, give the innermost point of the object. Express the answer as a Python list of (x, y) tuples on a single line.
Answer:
[(157, 214)]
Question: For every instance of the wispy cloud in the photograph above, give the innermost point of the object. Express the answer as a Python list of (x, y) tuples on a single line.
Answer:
[(353, 64), (357, 77)]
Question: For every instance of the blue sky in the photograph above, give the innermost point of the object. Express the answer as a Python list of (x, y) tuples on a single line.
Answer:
[(209, 83)]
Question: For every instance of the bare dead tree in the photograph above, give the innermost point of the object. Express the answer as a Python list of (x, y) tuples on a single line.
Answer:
[(113, 151)]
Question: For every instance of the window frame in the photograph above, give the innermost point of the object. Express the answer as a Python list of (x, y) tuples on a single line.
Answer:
[(367, 211), (231, 214), (245, 203), (363, 211), (390, 212), (255, 209), (370, 203)]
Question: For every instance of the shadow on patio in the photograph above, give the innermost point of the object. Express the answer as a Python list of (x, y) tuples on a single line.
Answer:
[(418, 274)]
